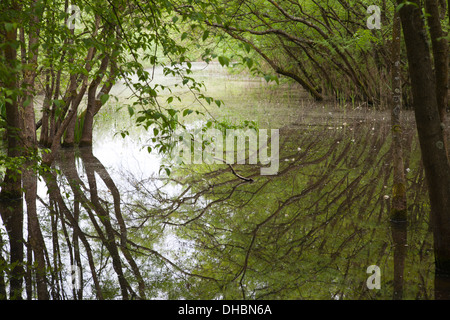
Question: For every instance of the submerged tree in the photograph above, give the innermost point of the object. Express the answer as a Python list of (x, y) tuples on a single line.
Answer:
[(11, 192), (71, 68), (69, 57)]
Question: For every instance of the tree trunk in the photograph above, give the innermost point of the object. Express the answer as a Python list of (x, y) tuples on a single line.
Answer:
[(30, 143), (431, 137), (69, 137), (11, 209), (44, 137), (93, 105), (3, 263), (74, 180), (400, 240), (398, 207), (440, 53), (398, 213), (109, 238), (69, 134), (93, 162)]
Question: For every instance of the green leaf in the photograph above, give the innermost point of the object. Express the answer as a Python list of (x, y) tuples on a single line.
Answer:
[(130, 111), (275, 78), (104, 98), (172, 112), (187, 112), (205, 35), (224, 61), (249, 62)]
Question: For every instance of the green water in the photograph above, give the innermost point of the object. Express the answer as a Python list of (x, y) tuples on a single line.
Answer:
[(309, 232)]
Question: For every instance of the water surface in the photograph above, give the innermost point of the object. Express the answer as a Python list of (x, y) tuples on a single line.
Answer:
[(309, 232)]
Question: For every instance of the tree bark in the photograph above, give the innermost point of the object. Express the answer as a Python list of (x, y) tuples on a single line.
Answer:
[(3, 263), (398, 212), (398, 207), (30, 143), (440, 53), (44, 137), (93, 104), (400, 239), (431, 137), (11, 208)]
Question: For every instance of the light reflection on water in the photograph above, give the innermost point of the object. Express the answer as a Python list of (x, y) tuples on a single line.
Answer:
[(309, 132)]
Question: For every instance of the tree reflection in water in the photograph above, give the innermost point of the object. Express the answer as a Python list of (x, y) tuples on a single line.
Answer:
[(309, 232)]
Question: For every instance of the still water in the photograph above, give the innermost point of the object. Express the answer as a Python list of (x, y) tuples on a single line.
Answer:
[(309, 232)]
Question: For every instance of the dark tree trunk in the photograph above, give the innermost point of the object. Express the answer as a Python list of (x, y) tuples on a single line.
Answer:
[(398, 208), (44, 137), (398, 214), (89, 158), (440, 53), (431, 137), (69, 138), (3, 263), (11, 208), (400, 237), (30, 144), (75, 182), (109, 237)]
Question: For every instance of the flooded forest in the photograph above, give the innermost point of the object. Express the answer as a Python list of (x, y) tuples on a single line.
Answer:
[(224, 150)]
